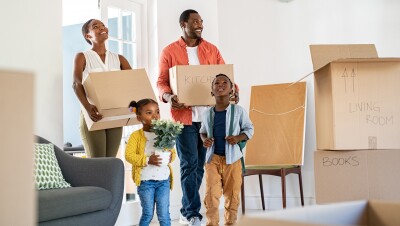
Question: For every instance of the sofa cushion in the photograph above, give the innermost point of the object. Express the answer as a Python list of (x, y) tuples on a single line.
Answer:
[(48, 174), (66, 202)]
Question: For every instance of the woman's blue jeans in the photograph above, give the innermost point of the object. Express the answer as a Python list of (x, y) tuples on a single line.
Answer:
[(154, 192), (192, 156)]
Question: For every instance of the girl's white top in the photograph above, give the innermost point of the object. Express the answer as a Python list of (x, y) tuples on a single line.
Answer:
[(152, 172), (95, 64)]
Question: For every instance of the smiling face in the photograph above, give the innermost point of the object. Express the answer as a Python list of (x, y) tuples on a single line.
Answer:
[(147, 113), (221, 86), (193, 27), (97, 32)]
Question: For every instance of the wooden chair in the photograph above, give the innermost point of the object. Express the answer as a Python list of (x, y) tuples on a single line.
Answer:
[(278, 112), (280, 171)]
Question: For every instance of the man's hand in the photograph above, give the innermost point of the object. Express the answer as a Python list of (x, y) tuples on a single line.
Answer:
[(235, 97), (174, 101)]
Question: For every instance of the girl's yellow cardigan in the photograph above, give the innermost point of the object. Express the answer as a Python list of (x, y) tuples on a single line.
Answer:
[(134, 154)]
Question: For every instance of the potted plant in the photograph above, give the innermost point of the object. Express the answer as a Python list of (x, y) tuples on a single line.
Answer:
[(166, 132)]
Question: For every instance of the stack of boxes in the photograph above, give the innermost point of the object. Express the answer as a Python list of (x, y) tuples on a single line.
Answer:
[(357, 110)]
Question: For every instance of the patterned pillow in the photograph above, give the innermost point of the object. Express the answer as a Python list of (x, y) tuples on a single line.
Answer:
[(47, 171)]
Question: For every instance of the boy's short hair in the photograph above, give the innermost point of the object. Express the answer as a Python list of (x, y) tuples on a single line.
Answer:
[(219, 75)]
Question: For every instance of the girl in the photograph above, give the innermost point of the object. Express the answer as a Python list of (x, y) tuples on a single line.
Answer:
[(222, 128), (99, 143), (153, 180)]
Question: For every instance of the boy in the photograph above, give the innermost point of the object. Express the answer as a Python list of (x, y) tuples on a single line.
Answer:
[(222, 128)]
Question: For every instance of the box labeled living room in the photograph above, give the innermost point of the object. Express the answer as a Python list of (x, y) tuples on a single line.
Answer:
[(356, 98)]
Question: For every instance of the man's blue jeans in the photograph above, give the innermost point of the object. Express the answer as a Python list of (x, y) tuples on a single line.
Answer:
[(192, 156), (154, 192)]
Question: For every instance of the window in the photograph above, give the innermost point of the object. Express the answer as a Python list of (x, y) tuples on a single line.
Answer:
[(124, 21)]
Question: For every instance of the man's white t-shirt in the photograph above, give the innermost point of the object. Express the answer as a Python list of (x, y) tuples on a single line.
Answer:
[(197, 111)]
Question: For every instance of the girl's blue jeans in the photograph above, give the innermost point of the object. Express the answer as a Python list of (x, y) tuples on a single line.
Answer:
[(154, 193)]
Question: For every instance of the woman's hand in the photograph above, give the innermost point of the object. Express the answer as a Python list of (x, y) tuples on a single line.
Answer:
[(93, 113)]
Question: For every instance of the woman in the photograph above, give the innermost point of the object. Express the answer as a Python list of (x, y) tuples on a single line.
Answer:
[(99, 143)]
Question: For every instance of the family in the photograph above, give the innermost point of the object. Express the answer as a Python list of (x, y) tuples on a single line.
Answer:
[(208, 143)]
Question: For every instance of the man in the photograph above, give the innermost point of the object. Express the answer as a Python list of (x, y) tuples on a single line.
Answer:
[(190, 49)]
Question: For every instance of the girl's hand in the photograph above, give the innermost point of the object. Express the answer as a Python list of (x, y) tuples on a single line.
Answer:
[(232, 139), (154, 160), (93, 113), (208, 142)]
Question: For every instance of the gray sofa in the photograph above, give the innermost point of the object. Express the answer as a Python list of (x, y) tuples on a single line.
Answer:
[(95, 197)]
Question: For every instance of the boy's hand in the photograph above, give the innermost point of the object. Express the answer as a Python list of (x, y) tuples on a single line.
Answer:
[(155, 160), (208, 142), (232, 139)]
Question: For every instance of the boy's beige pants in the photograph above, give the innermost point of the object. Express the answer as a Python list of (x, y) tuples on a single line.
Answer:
[(222, 179)]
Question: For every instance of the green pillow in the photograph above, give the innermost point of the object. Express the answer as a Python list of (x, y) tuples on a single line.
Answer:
[(47, 171)]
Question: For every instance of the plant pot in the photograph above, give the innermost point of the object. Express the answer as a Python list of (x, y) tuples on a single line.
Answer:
[(164, 155)]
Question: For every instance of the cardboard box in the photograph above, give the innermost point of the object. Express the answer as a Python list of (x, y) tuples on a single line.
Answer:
[(18, 193), (355, 175), (356, 98), (278, 114), (192, 83), (112, 92), (365, 213)]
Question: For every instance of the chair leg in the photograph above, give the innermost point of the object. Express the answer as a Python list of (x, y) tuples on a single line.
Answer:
[(301, 188), (242, 196), (262, 191), (283, 180)]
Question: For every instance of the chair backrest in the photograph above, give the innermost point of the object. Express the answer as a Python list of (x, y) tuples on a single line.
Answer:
[(278, 114), (57, 150)]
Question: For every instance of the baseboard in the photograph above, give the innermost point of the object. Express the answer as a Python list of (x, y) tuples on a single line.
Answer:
[(275, 203)]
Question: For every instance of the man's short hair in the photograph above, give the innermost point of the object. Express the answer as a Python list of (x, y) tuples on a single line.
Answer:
[(185, 15)]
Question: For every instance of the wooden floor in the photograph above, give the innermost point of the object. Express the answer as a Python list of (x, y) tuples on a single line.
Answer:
[(221, 217)]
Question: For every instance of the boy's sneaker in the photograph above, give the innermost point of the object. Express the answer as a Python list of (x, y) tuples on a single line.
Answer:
[(195, 221), (183, 220)]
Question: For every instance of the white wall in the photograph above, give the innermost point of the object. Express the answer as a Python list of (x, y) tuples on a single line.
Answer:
[(267, 41), (31, 41)]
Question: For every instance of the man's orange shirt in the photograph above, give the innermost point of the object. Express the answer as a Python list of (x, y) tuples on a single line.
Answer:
[(176, 54)]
